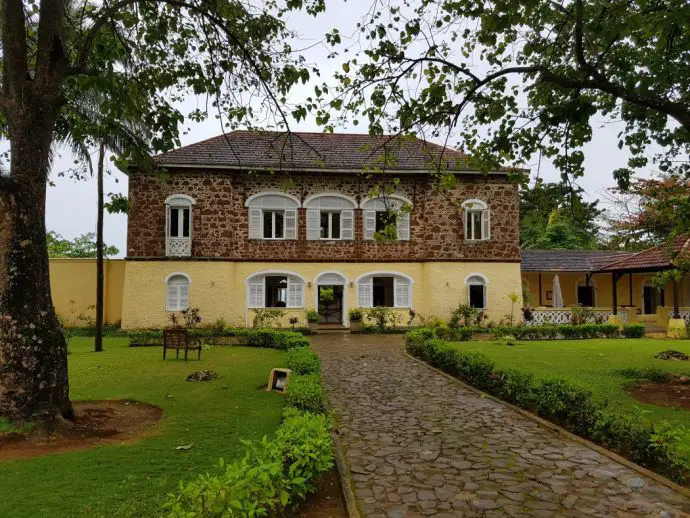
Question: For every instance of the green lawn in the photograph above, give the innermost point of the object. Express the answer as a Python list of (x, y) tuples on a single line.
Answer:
[(132, 479), (594, 363)]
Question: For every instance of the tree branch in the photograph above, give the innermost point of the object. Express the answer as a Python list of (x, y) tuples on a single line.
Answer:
[(51, 58)]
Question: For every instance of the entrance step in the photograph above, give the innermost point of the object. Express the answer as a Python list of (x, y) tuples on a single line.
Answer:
[(332, 329)]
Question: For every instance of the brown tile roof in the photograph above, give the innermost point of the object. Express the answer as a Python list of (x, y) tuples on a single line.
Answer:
[(314, 151), (567, 260), (657, 258)]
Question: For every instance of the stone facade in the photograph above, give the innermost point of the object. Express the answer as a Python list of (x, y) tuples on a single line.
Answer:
[(220, 218)]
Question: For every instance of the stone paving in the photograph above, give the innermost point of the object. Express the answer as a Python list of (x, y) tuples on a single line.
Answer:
[(418, 444)]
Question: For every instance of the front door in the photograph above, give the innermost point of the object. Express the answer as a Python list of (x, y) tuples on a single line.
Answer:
[(585, 296), (652, 297), (331, 304)]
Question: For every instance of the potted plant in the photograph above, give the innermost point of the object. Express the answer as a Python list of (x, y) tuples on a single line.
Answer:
[(355, 316), (313, 319)]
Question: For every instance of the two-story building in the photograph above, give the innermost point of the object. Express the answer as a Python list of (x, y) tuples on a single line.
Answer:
[(253, 220)]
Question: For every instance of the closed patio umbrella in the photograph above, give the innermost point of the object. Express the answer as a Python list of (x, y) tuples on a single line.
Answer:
[(557, 294)]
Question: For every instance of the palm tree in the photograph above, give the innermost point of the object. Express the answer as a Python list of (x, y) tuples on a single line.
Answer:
[(81, 130)]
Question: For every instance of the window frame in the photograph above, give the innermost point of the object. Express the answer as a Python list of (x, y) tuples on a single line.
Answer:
[(472, 209), (259, 279), (346, 211), (288, 205), (470, 280), (403, 225), (166, 284), (364, 285), (273, 213), (179, 202)]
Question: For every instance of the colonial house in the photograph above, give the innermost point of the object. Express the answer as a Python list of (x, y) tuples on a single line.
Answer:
[(618, 285), (253, 220)]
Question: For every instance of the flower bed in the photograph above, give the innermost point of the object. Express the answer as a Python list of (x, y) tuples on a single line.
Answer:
[(271, 338), (654, 446)]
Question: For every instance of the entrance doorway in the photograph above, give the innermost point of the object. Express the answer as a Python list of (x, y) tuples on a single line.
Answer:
[(652, 298), (585, 296), (330, 304)]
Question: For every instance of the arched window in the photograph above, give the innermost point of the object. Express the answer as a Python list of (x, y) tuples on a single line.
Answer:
[(477, 220), (476, 290), (384, 289), (177, 292), (178, 228), (275, 289), (330, 217), (380, 212), (272, 215)]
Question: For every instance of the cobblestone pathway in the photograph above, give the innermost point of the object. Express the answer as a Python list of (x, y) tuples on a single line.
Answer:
[(419, 444)]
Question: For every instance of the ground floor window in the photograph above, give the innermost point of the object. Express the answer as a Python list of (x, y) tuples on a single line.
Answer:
[(177, 292), (476, 291), (275, 291), (384, 290)]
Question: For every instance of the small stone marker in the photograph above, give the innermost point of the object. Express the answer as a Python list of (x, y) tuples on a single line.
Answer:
[(670, 354), (202, 376), (278, 380)]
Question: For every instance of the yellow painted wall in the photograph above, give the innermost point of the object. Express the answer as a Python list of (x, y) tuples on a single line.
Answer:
[(218, 288), (602, 284), (73, 288)]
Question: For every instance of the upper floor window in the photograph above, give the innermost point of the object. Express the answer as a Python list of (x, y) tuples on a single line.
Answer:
[(330, 217), (477, 220), (380, 213), (275, 290), (477, 291), (272, 216), (178, 234), (384, 289), (177, 292)]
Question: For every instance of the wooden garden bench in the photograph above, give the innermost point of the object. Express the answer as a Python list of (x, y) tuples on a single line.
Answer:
[(179, 339)]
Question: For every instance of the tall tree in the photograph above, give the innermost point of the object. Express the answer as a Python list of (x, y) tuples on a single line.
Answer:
[(234, 51), (83, 246), (520, 79), (648, 212), (548, 210)]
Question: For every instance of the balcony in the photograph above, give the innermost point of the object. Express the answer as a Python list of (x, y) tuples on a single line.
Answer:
[(178, 247)]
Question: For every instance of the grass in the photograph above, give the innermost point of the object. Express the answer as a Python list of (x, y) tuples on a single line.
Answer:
[(595, 363), (132, 479)]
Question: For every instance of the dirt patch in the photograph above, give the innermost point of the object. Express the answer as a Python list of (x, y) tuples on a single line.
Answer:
[(661, 394), (326, 502), (95, 422)]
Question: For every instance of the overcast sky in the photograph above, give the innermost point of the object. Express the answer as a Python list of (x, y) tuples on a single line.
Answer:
[(71, 206)]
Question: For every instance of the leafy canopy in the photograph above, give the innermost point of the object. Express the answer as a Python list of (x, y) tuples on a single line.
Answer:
[(521, 79), (81, 247)]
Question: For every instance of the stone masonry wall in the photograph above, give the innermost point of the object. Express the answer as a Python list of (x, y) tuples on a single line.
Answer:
[(220, 219)]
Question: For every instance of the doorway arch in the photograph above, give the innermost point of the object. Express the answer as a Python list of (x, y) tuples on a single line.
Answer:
[(334, 311)]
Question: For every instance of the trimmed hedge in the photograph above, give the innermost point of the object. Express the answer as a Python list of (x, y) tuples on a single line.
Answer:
[(633, 330), (270, 338), (554, 332), (302, 360), (654, 446), (272, 475)]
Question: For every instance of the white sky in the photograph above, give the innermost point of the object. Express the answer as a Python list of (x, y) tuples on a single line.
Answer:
[(71, 206)]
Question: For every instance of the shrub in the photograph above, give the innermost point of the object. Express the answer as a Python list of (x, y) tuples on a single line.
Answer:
[(566, 403), (476, 368), (580, 314), (312, 316), (272, 474), (271, 339), (382, 317), (462, 315), (646, 373), (527, 314), (635, 330), (305, 393), (516, 387), (355, 314), (552, 332), (266, 318), (302, 360)]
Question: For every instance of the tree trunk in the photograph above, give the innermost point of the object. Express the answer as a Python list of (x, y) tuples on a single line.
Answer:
[(98, 344), (33, 353)]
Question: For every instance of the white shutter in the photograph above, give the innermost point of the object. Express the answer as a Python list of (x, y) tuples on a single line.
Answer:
[(486, 224), (313, 224), (172, 299), (402, 293), (255, 294), (291, 224), (254, 223), (404, 227), (295, 297), (183, 295), (347, 224), (465, 231), (369, 224), (364, 294)]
